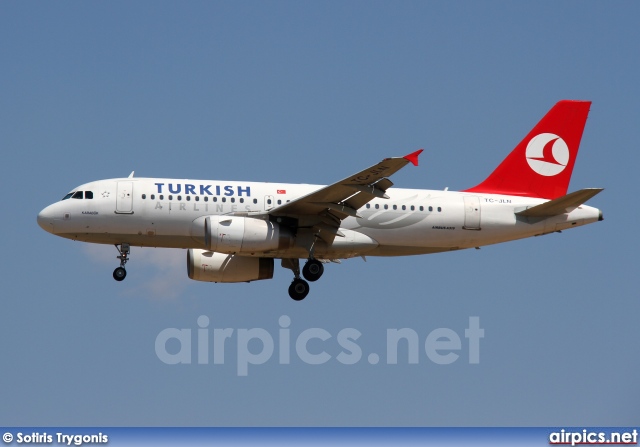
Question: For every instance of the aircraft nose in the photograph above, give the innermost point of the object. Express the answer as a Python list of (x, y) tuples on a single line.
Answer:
[(45, 219)]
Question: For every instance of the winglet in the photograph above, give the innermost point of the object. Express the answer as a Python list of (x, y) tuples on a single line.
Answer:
[(413, 157)]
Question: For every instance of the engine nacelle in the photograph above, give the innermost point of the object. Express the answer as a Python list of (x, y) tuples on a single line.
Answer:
[(234, 234), (203, 265)]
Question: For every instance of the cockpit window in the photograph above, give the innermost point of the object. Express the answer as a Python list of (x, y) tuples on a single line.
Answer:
[(79, 195)]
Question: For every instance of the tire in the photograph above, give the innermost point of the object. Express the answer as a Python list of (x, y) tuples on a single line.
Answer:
[(119, 274), (312, 270), (298, 289)]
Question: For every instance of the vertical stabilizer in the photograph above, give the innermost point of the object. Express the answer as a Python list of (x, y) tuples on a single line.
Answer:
[(541, 165)]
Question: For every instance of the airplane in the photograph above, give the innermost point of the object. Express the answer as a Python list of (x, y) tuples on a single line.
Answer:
[(233, 231)]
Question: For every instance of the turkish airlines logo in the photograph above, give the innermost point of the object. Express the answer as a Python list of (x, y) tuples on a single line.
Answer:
[(547, 154)]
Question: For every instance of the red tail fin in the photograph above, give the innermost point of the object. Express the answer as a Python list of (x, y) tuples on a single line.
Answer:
[(541, 165)]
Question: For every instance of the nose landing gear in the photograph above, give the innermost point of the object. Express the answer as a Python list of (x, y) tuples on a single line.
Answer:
[(120, 273)]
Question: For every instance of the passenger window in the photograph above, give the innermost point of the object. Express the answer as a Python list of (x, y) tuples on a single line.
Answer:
[(279, 202), (224, 199), (188, 198), (255, 201), (430, 208), (215, 199), (153, 196), (395, 207), (206, 199), (161, 197), (421, 208), (439, 209), (241, 200), (269, 202), (170, 197), (77, 195), (377, 206), (144, 196), (197, 198), (179, 198), (404, 208), (368, 206), (233, 200), (88, 194), (386, 207), (413, 208), (67, 196)]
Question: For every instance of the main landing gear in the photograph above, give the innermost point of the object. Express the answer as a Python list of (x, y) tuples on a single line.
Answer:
[(298, 289), (312, 271), (120, 273)]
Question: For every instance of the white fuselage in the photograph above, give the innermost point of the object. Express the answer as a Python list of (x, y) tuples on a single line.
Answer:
[(153, 212)]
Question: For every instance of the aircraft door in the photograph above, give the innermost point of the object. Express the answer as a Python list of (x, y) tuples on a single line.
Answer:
[(471, 213), (269, 202), (124, 198)]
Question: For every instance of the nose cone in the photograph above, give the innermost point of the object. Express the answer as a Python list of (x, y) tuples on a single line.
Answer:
[(45, 219)]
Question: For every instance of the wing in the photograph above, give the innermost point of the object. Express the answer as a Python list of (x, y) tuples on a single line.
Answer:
[(323, 210)]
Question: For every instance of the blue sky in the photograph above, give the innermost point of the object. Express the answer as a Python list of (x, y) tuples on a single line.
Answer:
[(311, 92)]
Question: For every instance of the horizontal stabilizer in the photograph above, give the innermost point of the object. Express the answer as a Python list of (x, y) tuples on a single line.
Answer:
[(561, 205)]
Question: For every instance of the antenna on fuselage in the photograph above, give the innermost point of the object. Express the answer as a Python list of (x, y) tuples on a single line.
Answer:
[(131, 175)]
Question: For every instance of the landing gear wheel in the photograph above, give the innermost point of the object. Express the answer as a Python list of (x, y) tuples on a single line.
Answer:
[(119, 274), (312, 270), (298, 289)]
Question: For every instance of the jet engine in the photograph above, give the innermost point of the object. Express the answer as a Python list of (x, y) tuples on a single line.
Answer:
[(235, 234), (203, 265)]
